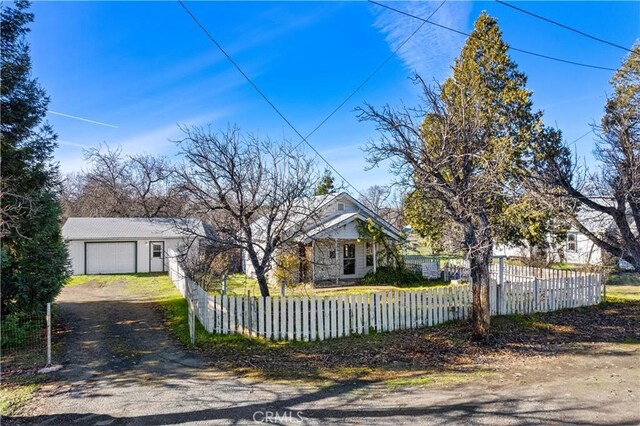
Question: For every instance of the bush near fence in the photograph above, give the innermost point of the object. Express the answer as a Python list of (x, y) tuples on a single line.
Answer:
[(390, 275), (323, 317), (23, 339)]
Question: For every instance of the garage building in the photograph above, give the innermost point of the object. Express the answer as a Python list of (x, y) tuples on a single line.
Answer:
[(107, 245)]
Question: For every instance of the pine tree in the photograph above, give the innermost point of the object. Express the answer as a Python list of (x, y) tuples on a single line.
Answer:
[(327, 184), (34, 256), (465, 149)]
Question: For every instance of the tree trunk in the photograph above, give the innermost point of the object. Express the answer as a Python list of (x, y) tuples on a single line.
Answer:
[(634, 261), (480, 281), (262, 282), (259, 270)]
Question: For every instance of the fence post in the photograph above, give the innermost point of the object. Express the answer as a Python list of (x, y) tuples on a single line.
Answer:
[(49, 333), (500, 285), (192, 319), (224, 284), (535, 295), (283, 285), (249, 313)]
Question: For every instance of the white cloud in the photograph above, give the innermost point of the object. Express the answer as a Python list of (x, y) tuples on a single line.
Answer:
[(159, 140), (431, 51), (156, 141)]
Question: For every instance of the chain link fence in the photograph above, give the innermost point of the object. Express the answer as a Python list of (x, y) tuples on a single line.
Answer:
[(26, 340)]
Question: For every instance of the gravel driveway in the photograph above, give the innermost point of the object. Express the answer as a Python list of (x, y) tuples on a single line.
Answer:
[(122, 367)]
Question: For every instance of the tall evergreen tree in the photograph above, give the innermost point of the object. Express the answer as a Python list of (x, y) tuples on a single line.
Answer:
[(464, 150), (327, 184), (34, 256)]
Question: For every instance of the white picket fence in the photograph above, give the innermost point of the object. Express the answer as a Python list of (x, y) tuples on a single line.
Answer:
[(309, 318)]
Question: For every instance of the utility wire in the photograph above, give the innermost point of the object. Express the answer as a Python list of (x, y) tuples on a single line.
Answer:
[(581, 137), (551, 21), (510, 47), (264, 96), (366, 80)]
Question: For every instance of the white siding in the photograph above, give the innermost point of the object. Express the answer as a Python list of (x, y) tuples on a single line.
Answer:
[(326, 268), (144, 251), (332, 208), (347, 231), (586, 253), (77, 254)]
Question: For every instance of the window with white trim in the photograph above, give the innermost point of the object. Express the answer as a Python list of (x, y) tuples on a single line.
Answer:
[(369, 253), (572, 242), (340, 207)]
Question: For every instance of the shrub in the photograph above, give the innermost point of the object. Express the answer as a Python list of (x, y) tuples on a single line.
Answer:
[(286, 268), (393, 275), (21, 330)]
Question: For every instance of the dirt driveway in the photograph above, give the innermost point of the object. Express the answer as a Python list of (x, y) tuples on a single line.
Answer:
[(121, 367)]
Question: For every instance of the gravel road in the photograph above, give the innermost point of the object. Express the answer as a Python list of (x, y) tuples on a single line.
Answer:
[(122, 367)]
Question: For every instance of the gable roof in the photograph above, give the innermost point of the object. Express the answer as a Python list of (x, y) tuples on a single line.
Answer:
[(101, 228), (305, 206), (379, 220), (344, 219)]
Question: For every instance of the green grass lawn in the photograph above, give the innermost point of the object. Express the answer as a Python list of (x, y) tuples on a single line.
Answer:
[(623, 287), (240, 284), (429, 356)]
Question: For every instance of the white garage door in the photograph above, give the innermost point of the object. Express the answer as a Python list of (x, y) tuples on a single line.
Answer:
[(111, 258)]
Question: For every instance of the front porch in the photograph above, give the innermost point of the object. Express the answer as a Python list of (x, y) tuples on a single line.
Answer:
[(338, 261)]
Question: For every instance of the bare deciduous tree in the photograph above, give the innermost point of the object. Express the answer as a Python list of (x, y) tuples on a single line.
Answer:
[(255, 193), (120, 185), (384, 202), (447, 167), (604, 204)]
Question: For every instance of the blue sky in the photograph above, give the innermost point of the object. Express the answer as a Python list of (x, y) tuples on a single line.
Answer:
[(141, 69)]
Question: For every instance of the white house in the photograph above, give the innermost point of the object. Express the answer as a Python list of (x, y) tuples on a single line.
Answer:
[(576, 249), (330, 247), (108, 245)]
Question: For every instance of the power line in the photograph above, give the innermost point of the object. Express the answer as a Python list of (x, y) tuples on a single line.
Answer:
[(540, 55), (551, 21), (264, 96), (581, 137), (366, 80)]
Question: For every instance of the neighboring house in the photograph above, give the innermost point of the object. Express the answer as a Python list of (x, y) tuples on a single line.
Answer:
[(107, 245), (576, 249), (330, 248)]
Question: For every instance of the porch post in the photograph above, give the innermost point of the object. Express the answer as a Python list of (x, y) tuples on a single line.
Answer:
[(313, 261), (375, 257), (337, 265)]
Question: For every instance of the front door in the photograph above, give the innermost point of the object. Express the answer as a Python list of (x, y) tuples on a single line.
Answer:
[(304, 257), (349, 259), (156, 256)]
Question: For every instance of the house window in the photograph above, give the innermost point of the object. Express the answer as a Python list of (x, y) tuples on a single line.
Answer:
[(349, 259), (572, 242), (332, 254), (340, 207), (369, 253), (156, 250)]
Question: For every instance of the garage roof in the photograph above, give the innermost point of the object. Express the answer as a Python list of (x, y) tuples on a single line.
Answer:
[(108, 228)]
